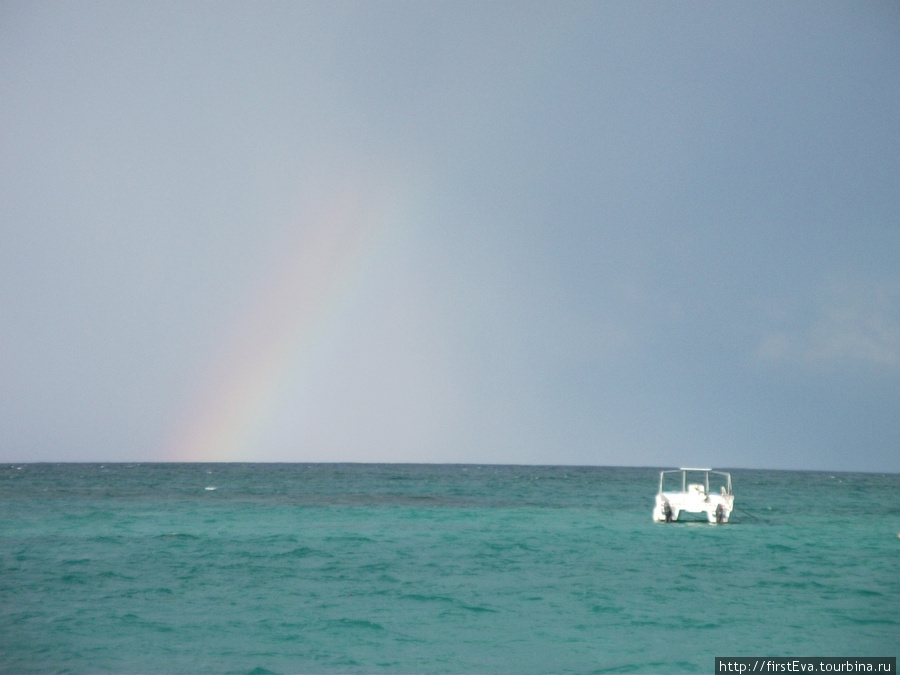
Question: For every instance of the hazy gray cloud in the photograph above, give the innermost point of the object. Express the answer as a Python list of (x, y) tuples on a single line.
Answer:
[(857, 325)]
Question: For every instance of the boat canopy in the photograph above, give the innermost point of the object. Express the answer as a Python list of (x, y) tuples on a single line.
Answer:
[(724, 478)]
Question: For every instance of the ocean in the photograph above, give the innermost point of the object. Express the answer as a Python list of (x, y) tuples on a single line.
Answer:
[(381, 568)]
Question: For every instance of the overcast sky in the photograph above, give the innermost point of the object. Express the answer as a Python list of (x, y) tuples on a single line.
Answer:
[(648, 234)]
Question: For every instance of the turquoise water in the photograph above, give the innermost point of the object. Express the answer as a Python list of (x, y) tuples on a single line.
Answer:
[(360, 568)]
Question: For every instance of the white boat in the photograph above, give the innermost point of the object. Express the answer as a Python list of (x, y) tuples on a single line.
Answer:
[(687, 491)]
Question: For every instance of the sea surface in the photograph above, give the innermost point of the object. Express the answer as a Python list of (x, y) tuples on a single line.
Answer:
[(376, 568)]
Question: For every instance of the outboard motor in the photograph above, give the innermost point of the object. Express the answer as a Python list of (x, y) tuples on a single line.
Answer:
[(667, 511), (720, 514)]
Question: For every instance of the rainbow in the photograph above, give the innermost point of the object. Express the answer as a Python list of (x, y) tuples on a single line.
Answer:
[(276, 339)]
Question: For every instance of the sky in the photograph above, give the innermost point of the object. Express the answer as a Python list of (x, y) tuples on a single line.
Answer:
[(591, 233)]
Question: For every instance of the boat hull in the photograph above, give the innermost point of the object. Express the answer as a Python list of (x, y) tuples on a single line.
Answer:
[(675, 506)]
